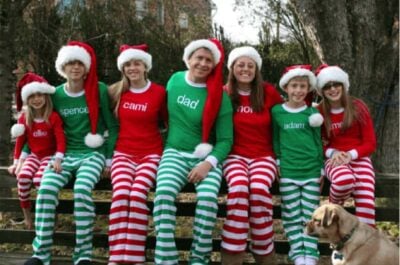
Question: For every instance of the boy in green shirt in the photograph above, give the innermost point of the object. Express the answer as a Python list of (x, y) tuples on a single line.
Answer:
[(83, 105), (298, 148)]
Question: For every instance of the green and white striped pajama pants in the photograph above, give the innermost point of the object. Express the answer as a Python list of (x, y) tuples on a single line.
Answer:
[(171, 178), (87, 169), (299, 200)]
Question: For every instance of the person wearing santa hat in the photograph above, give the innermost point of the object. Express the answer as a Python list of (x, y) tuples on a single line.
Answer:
[(140, 106), (41, 128), (199, 139), (350, 141), (298, 146), (250, 168), (83, 104)]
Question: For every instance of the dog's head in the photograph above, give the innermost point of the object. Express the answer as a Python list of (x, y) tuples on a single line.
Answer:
[(330, 221)]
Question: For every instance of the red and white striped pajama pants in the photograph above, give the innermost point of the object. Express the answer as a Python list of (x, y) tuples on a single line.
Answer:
[(249, 182), (31, 172), (131, 179), (358, 179)]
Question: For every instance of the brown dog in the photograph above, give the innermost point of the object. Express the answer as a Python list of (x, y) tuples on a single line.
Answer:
[(354, 243)]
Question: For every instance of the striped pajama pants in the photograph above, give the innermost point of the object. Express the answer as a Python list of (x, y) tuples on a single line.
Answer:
[(358, 179), (31, 172), (87, 169), (299, 200), (249, 182), (171, 178), (131, 180)]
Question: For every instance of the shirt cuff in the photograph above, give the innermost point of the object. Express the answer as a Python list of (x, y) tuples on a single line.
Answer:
[(322, 172), (212, 160), (278, 162), (108, 162), (15, 162), (59, 155), (353, 153), (23, 155), (329, 152)]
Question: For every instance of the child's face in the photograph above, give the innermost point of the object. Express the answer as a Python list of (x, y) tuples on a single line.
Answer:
[(75, 70), (135, 70), (297, 90), (333, 91), (36, 101), (244, 70)]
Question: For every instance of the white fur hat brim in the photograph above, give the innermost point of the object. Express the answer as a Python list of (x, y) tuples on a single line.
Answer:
[(134, 54), (246, 51), (298, 72), (71, 53), (332, 74), (36, 87), (197, 44)]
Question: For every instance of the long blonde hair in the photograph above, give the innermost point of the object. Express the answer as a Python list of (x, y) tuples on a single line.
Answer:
[(46, 110), (116, 90)]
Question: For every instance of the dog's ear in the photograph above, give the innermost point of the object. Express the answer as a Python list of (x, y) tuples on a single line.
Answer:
[(329, 217)]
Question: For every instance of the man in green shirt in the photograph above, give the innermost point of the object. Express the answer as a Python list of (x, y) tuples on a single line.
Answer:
[(199, 113)]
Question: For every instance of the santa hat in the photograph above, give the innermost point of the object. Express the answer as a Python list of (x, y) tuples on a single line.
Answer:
[(202, 43), (136, 52), (326, 73), (297, 71), (84, 53), (30, 84), (315, 119), (214, 85), (247, 51)]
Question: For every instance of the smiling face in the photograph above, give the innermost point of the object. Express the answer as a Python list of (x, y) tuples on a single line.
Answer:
[(75, 70), (244, 70), (297, 89), (333, 91), (36, 101), (135, 71), (201, 63)]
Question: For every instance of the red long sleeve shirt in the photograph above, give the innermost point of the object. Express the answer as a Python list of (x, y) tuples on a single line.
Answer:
[(44, 139), (252, 130), (139, 115), (359, 139)]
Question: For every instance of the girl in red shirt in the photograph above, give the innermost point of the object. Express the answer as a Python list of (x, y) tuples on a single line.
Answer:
[(140, 106), (250, 168), (349, 142), (41, 128)]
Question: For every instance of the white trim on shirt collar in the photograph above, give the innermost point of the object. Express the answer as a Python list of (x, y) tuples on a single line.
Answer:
[(191, 83), (337, 110), (71, 94), (244, 92), (293, 110), (139, 90)]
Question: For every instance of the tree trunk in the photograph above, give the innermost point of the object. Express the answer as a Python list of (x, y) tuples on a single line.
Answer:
[(363, 38), (10, 14)]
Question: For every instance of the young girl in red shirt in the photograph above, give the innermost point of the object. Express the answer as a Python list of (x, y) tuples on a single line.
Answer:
[(41, 128), (349, 142)]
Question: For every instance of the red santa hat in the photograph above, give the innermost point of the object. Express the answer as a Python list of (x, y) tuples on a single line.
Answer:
[(247, 51), (297, 71), (83, 52), (214, 85), (29, 84), (202, 43), (135, 52), (326, 73)]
